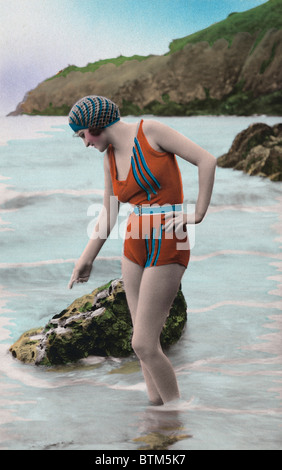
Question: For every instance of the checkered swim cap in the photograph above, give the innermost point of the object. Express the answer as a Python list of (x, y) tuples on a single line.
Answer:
[(93, 111)]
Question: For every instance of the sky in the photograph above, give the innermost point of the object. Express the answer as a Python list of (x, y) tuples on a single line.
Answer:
[(40, 37)]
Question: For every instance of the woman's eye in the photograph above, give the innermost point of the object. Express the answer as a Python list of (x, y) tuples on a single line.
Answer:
[(82, 135)]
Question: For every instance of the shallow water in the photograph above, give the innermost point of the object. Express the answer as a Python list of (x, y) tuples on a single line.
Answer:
[(228, 361)]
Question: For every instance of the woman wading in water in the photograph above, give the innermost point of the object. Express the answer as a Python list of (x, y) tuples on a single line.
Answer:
[(141, 168)]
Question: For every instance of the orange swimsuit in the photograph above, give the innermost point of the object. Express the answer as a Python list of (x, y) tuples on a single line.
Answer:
[(153, 179)]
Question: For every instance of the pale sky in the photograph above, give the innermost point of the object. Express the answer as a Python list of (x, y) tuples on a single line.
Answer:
[(40, 37)]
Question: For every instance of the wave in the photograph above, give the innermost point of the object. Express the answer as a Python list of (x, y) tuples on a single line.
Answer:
[(36, 264), (236, 411), (245, 208), (230, 366), (194, 258), (235, 252), (141, 387), (242, 303), (16, 200), (30, 127), (5, 229)]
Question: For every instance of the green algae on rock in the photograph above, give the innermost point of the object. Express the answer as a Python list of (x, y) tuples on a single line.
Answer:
[(96, 324)]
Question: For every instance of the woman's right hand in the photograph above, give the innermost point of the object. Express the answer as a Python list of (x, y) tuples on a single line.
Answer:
[(81, 272)]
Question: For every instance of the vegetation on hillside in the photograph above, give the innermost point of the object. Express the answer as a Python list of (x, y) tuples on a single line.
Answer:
[(91, 67), (257, 20), (238, 103)]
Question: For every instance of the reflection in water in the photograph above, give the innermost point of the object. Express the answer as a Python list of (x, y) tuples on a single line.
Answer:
[(160, 429)]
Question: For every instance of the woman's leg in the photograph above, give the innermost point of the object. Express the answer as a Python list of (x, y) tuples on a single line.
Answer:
[(158, 288), (132, 276)]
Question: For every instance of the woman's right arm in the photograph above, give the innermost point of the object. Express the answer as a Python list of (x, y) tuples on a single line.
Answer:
[(106, 221)]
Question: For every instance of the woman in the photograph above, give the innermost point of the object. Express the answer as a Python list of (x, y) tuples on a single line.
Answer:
[(140, 168)]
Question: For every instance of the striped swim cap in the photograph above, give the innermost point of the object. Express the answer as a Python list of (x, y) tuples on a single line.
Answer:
[(93, 111)]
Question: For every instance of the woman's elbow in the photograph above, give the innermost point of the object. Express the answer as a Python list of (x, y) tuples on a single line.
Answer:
[(208, 164), (211, 160), (213, 165)]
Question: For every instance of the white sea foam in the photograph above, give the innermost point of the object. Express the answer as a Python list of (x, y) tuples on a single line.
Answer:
[(141, 387), (235, 252), (8, 194), (176, 405), (241, 303), (36, 264), (29, 127)]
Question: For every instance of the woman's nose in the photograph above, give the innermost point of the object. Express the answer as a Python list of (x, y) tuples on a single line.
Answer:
[(86, 143)]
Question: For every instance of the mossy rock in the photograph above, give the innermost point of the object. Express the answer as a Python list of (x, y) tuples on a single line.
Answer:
[(96, 324)]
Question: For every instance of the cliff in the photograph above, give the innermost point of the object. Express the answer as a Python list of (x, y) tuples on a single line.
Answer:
[(233, 67)]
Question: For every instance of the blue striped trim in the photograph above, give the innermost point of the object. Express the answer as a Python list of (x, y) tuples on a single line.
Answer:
[(145, 164), (147, 250), (107, 107), (141, 172), (149, 261), (73, 121), (83, 120), (140, 210), (88, 114), (138, 180), (100, 110), (159, 246), (75, 127), (78, 119), (111, 123), (112, 111), (94, 106)]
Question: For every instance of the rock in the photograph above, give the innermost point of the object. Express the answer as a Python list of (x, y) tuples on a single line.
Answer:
[(256, 151), (96, 324)]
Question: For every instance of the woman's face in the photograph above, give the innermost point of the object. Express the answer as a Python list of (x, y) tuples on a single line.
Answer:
[(94, 139)]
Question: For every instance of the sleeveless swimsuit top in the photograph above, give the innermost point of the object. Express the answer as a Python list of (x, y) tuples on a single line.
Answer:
[(153, 178)]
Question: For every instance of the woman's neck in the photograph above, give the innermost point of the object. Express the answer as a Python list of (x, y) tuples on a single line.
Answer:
[(121, 133)]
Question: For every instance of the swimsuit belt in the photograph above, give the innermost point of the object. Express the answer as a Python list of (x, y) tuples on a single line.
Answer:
[(140, 210)]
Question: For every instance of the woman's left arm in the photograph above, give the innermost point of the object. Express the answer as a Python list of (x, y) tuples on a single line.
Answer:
[(172, 141)]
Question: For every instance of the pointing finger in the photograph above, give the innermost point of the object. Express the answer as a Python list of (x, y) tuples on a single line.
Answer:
[(72, 280)]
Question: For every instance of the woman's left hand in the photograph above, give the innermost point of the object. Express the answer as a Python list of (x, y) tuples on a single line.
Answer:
[(177, 222)]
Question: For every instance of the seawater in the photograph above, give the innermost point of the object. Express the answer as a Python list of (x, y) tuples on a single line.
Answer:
[(228, 361)]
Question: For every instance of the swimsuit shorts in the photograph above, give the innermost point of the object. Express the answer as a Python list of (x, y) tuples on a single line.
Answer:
[(148, 244)]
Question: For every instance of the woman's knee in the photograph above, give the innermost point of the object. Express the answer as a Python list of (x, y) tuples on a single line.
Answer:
[(144, 349)]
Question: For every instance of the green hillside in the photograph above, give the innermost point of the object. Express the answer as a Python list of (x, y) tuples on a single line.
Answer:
[(261, 18), (253, 83), (91, 67)]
